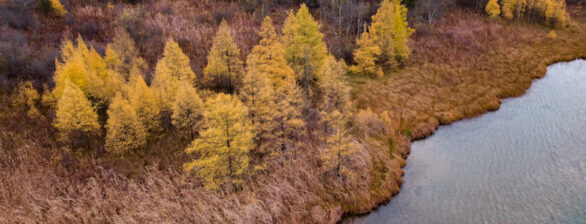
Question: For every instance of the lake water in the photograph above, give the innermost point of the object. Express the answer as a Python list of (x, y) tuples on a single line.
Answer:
[(525, 163)]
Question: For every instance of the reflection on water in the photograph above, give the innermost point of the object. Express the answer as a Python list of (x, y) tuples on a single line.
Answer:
[(525, 163)]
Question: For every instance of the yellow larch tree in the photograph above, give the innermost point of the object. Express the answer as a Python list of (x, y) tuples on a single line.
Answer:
[(390, 31), (145, 104), (86, 69), (513, 8), (27, 98), (334, 88), (58, 8), (72, 68), (125, 132), (335, 95), (366, 55), (268, 57), (257, 94), (112, 59), (223, 148), (401, 32), (127, 53), (493, 9), (224, 69), (187, 117), (381, 31), (339, 146), (288, 115), (75, 117), (305, 49), (171, 70), (177, 62)]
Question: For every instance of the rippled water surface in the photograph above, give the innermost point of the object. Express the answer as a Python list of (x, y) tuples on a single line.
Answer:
[(525, 163)]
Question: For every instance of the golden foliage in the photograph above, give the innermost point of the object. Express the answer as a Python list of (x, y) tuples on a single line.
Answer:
[(366, 55), (223, 147), (257, 94), (188, 110), (493, 9), (127, 54), (171, 70), (389, 29), (268, 57), (27, 97), (145, 104), (75, 113), (58, 8), (339, 146), (125, 132), (290, 104), (553, 12), (224, 68), (334, 87), (305, 49)]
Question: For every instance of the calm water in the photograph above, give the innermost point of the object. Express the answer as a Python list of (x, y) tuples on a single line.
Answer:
[(525, 163)]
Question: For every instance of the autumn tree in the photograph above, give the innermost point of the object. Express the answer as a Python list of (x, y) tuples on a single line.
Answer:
[(75, 118), (54, 6), (268, 57), (335, 95), (366, 55), (552, 12), (188, 110), (171, 70), (401, 32), (145, 104), (86, 69), (257, 94), (223, 148), (390, 31), (289, 105), (493, 9), (224, 68), (125, 132), (305, 49), (334, 88), (513, 8), (123, 54), (27, 98), (339, 146)]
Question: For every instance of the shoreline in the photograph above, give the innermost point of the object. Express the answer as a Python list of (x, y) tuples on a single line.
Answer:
[(423, 137), (570, 48)]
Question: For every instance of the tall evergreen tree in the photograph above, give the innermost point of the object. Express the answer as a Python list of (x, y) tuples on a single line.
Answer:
[(493, 9), (365, 56), (127, 53), (305, 49), (290, 104), (390, 31), (125, 132), (224, 146), (172, 69), (334, 88), (339, 146), (75, 117), (257, 94), (224, 68), (268, 57), (188, 110), (145, 104)]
